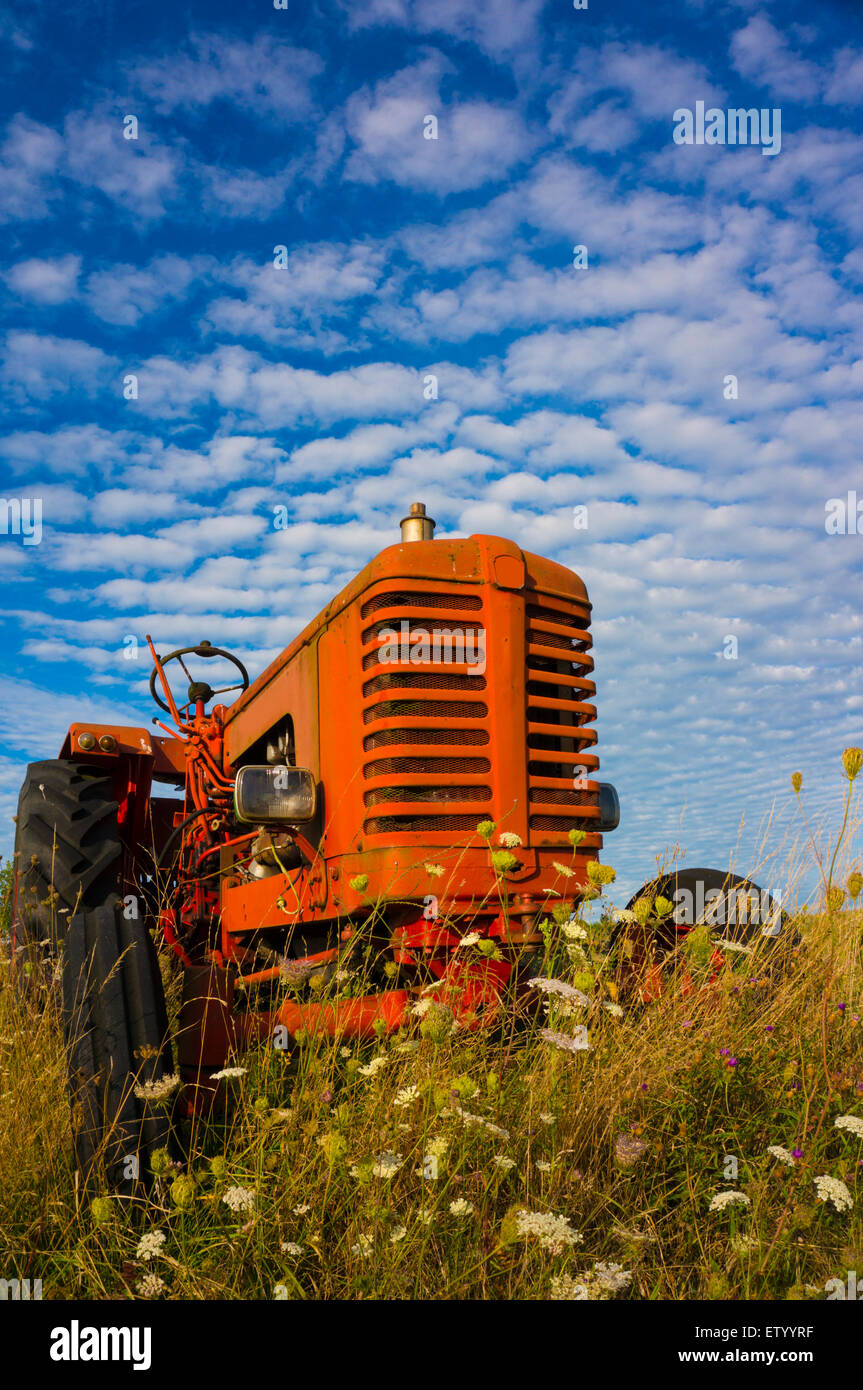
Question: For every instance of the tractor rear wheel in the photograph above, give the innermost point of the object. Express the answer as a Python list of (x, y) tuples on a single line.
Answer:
[(68, 856), (116, 1031)]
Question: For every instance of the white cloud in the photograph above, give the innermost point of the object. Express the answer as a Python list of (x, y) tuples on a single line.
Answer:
[(50, 280)]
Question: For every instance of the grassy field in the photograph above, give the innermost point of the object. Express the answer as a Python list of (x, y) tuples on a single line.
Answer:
[(518, 1164)]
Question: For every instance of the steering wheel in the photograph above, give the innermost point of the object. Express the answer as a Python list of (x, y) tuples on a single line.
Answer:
[(198, 690)]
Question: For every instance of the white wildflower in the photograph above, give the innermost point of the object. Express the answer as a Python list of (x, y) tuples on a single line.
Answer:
[(228, 1074), (471, 1119), (850, 1122), (560, 989), (460, 1207), (239, 1198), (364, 1245), (563, 869), (553, 1231), (470, 940), (504, 1163), (614, 1009), (398, 1233), (421, 1007), (509, 839), (157, 1090), (387, 1164), (563, 1286), (290, 1247), (612, 1277), (783, 1155), (832, 1190), (578, 1043), (407, 1096), (150, 1245), (543, 1165), (720, 1200), (574, 930), (302, 1210), (374, 1066), (436, 870), (547, 1118), (150, 1286)]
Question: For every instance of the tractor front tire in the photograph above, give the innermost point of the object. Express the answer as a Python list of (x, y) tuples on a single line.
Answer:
[(116, 1031), (68, 856)]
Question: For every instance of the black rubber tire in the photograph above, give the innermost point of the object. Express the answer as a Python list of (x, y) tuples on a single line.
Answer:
[(116, 1030), (68, 853)]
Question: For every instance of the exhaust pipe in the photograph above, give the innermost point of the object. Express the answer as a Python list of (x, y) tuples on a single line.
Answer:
[(417, 526)]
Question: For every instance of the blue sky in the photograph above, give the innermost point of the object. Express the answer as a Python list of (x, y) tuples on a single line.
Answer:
[(557, 387)]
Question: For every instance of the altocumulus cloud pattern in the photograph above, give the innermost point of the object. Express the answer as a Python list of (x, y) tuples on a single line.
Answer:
[(333, 256)]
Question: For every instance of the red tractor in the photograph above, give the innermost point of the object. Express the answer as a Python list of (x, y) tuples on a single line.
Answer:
[(329, 808)]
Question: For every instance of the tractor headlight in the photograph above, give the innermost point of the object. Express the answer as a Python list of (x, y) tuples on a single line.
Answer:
[(275, 794), (609, 807)]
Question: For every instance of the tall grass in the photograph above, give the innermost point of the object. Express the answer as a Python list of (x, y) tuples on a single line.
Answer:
[(444, 1163)]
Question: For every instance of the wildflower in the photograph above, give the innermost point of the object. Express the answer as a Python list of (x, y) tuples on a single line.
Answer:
[(559, 988), (734, 946), (425, 1216), (611, 1277), (600, 873), (614, 1009), (460, 1207), (552, 1231), (574, 930), (374, 1066), (628, 1149), (302, 1210), (421, 1008), (287, 1115), (359, 883), (783, 1155), (547, 1118), (150, 1245), (503, 860), (721, 1200), (797, 781), (485, 829), (504, 1163), (470, 940), (290, 1247), (564, 1041), (160, 1089), (295, 972), (407, 1096), (563, 1286), (239, 1198), (509, 839), (150, 1286), (437, 1147), (829, 1189), (796, 1153), (228, 1073), (575, 837), (563, 869), (435, 870), (852, 761), (397, 1233), (387, 1164), (543, 1165), (855, 885), (471, 1119), (101, 1210), (183, 1191), (364, 1245), (851, 1122), (438, 1023)]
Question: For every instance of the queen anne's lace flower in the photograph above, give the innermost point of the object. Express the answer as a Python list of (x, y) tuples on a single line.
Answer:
[(150, 1286), (560, 989), (783, 1155), (850, 1122), (509, 839), (578, 1043), (503, 1162), (157, 1090), (553, 1231), (387, 1164), (720, 1200), (374, 1066), (239, 1198), (290, 1247), (460, 1207), (228, 1074), (150, 1245), (829, 1189), (407, 1096)]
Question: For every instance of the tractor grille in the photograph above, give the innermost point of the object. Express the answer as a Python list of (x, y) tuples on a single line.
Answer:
[(426, 783), (559, 692)]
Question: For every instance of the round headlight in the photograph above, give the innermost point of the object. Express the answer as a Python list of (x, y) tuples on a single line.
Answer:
[(87, 742), (107, 743)]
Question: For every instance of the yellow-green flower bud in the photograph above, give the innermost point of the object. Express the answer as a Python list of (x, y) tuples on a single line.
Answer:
[(663, 907), (643, 911), (219, 1167), (576, 837), (503, 860), (485, 829), (835, 899), (852, 761), (359, 883), (855, 885), (183, 1191), (101, 1210), (797, 780), (160, 1162)]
